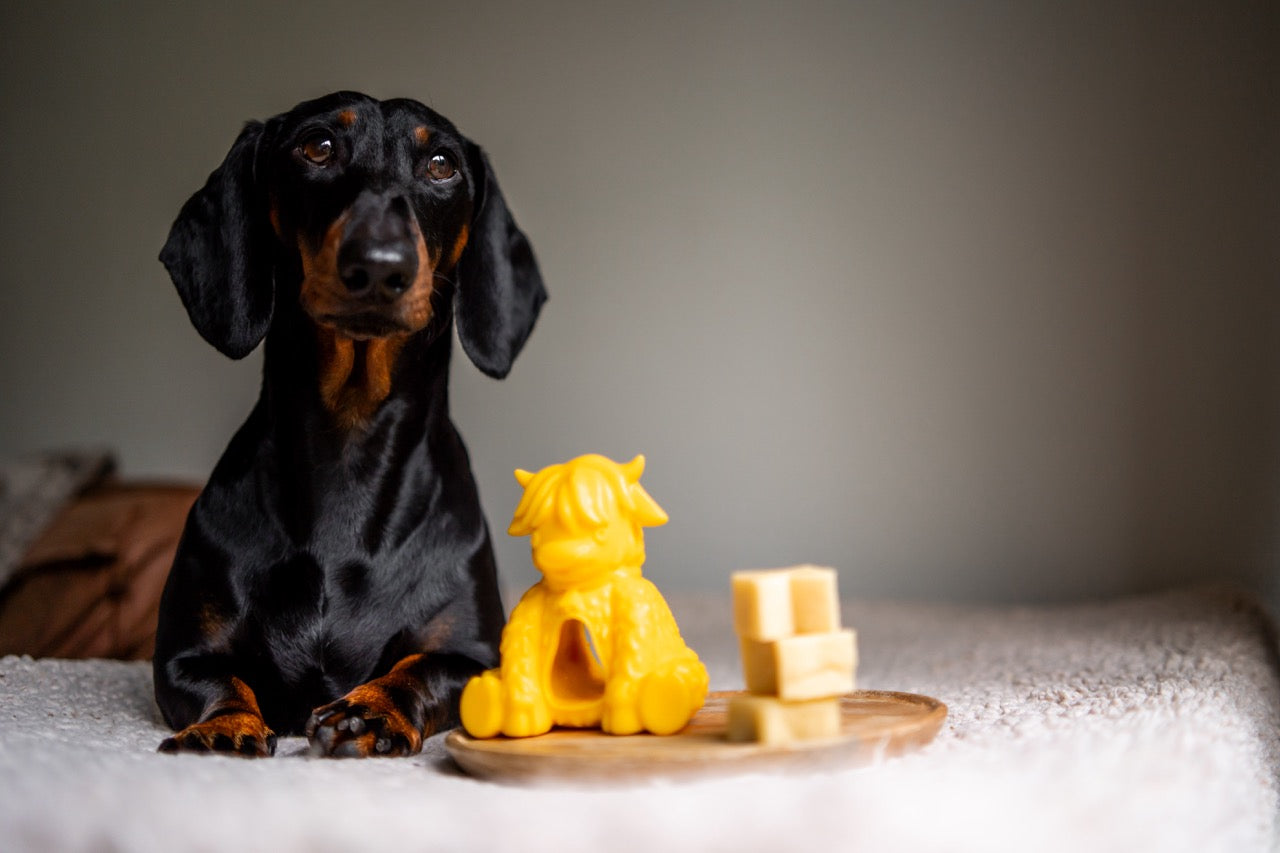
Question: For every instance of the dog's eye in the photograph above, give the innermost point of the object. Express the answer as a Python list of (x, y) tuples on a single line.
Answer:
[(317, 149), (440, 168)]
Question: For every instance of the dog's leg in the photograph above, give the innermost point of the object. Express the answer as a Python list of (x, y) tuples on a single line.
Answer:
[(231, 722), (391, 715)]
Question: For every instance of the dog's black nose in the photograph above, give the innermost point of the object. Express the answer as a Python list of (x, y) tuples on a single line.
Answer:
[(377, 266)]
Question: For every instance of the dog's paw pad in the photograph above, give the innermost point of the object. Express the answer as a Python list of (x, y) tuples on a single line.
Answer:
[(350, 730)]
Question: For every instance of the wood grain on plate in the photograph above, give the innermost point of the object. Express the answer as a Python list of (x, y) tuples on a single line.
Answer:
[(874, 723)]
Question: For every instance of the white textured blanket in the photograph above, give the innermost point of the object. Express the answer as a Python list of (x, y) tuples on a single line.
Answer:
[(1150, 723)]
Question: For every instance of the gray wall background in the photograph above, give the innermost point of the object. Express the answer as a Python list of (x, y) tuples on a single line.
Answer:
[(973, 301)]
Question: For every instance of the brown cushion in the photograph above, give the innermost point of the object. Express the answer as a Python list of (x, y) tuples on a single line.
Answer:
[(89, 586)]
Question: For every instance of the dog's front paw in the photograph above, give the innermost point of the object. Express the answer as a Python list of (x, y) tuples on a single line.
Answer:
[(234, 734), (364, 722)]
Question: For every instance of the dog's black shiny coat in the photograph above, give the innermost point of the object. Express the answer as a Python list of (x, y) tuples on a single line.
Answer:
[(334, 541)]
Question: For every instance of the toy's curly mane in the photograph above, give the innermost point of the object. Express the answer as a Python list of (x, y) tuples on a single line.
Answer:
[(584, 494)]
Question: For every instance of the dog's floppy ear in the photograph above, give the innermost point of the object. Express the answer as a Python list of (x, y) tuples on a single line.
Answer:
[(218, 253), (499, 290)]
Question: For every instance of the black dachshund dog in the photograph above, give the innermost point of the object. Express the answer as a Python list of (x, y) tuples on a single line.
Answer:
[(336, 577)]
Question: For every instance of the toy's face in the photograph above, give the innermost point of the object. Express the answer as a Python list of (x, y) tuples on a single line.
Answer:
[(575, 557)]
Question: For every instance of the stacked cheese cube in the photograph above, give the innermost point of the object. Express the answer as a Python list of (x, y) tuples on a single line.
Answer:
[(796, 658)]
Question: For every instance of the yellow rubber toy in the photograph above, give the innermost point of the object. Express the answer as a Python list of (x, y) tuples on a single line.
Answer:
[(593, 643)]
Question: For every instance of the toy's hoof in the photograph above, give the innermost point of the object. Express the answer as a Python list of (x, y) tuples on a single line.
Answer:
[(481, 708), (666, 703), (523, 719), (621, 721)]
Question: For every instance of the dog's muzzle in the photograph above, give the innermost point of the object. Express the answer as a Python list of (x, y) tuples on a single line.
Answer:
[(378, 257)]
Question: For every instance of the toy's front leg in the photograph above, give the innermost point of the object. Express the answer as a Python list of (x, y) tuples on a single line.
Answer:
[(656, 683), (510, 700), (620, 715), (661, 701), (632, 637)]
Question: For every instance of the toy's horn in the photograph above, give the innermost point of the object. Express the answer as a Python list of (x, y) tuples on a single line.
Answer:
[(523, 477), (647, 511), (633, 469)]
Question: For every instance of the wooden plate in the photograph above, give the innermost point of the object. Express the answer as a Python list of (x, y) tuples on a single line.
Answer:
[(875, 723)]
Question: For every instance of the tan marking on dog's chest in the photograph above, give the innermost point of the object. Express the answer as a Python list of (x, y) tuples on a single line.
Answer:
[(355, 376)]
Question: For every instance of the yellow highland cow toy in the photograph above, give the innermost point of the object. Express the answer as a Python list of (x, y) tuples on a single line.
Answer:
[(593, 643)]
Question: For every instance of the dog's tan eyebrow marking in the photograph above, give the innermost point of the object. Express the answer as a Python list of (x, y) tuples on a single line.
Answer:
[(347, 118), (422, 135), (459, 244), (273, 211)]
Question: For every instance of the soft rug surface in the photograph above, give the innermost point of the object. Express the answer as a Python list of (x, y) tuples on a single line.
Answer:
[(1149, 723)]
